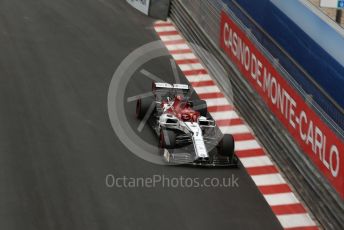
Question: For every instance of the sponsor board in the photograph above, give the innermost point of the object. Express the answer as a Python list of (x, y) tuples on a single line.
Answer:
[(141, 5), (315, 138)]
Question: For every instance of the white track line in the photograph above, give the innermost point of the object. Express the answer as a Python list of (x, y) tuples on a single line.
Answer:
[(268, 179), (281, 199), (187, 67), (207, 89), (168, 38), (234, 129), (177, 47), (250, 162), (296, 220), (160, 29), (224, 115), (199, 78), (246, 145), (186, 56)]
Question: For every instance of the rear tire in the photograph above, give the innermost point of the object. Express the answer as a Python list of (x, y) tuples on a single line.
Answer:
[(227, 146), (201, 107), (142, 106), (167, 139)]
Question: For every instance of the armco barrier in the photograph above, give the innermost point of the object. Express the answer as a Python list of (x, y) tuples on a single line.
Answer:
[(200, 21)]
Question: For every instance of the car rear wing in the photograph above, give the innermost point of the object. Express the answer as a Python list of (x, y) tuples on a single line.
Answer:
[(166, 89), (159, 85)]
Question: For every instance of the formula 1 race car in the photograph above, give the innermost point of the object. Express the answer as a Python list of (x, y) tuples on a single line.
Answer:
[(187, 134)]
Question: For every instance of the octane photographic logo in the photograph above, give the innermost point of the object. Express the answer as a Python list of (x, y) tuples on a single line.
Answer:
[(117, 99)]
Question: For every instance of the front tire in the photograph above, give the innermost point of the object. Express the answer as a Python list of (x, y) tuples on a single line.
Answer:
[(227, 146)]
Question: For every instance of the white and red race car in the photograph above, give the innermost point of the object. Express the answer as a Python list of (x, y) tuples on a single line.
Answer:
[(187, 134)]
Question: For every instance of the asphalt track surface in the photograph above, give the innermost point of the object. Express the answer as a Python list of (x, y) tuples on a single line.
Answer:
[(57, 59)]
